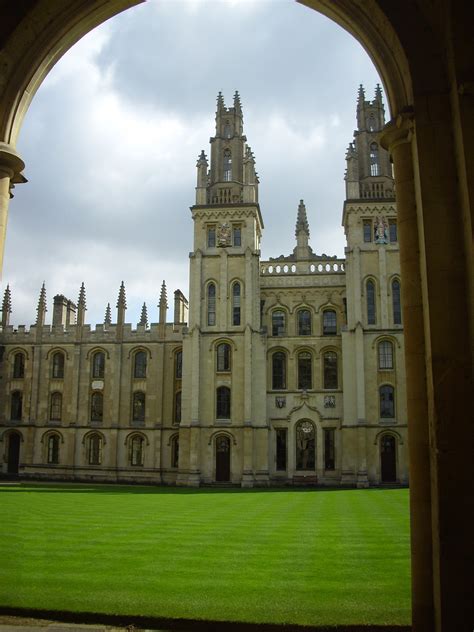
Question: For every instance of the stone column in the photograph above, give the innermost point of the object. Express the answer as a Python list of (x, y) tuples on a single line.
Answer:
[(11, 166), (397, 138)]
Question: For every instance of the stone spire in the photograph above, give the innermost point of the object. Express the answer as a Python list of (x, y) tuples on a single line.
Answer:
[(108, 315), (81, 306), (301, 220), (220, 101), (237, 104), (121, 305), (378, 94), (41, 309), (6, 307), (163, 304), (144, 316), (302, 250)]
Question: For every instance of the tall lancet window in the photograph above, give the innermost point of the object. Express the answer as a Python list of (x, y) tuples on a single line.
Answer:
[(371, 313), (236, 303), (374, 160), (227, 166), (211, 304)]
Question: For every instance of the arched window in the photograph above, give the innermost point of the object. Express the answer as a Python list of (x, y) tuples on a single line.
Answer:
[(58, 365), (177, 407), (53, 449), (136, 450), (16, 409), (56, 407), (371, 313), (19, 365), (279, 370), (236, 303), (175, 451), (138, 406), (227, 130), (330, 370), (94, 449), (211, 304), (223, 403), (178, 365), (387, 401), (329, 323), (305, 446), (223, 357), (304, 322), (227, 165), (305, 370), (396, 303), (385, 353), (97, 406), (98, 364), (139, 367), (374, 160), (278, 323)]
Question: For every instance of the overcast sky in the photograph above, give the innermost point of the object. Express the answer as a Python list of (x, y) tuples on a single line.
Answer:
[(112, 137)]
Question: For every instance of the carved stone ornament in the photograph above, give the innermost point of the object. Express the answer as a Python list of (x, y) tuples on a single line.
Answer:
[(280, 402), (380, 230), (224, 235), (329, 401)]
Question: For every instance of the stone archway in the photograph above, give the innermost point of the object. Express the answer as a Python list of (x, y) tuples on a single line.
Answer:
[(424, 55)]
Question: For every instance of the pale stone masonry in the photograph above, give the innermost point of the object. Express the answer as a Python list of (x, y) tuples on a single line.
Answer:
[(287, 371)]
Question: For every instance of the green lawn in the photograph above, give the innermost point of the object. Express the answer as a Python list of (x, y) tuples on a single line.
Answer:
[(309, 557)]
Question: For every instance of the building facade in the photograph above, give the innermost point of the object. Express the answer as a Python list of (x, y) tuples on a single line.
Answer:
[(282, 372)]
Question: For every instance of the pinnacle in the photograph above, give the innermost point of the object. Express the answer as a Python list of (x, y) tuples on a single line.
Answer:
[(7, 301), (108, 315), (122, 300), (81, 303), (302, 220), (163, 296), (144, 316)]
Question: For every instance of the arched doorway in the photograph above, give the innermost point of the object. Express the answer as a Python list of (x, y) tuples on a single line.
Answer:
[(305, 444), (13, 457), (222, 459), (388, 459)]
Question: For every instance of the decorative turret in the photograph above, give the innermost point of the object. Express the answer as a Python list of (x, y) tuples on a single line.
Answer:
[(202, 178), (81, 306), (6, 307), (231, 178), (41, 309), (144, 316), (369, 172), (108, 316), (163, 304), (121, 305)]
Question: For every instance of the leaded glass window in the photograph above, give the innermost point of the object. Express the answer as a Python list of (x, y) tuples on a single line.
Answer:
[(136, 450), (227, 163), (392, 230), (223, 357), (374, 160), (97, 406), (305, 372), (304, 322), (371, 312), (330, 370), (98, 364), (237, 235), (177, 407), (55, 410), (279, 370), (281, 448), (236, 304), (19, 366), (16, 409), (178, 367), (223, 403), (175, 451), (140, 362), (385, 349), (396, 302), (387, 401), (94, 449), (58, 365), (211, 304), (329, 322), (138, 406), (329, 449), (367, 226), (278, 323)]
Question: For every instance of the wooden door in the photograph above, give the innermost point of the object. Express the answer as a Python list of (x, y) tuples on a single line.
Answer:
[(222, 459), (13, 453), (388, 459)]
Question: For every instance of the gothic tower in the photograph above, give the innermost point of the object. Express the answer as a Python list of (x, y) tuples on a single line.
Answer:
[(223, 351), (373, 341)]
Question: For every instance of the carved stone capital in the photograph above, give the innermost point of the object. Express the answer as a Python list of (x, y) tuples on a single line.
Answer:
[(11, 164), (398, 131)]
